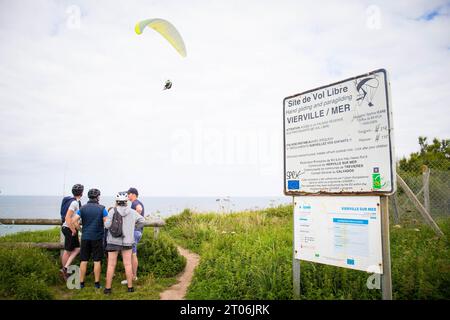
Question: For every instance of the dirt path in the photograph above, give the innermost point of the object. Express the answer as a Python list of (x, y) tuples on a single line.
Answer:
[(178, 291)]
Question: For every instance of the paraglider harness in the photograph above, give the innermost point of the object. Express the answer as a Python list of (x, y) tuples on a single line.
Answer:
[(168, 85)]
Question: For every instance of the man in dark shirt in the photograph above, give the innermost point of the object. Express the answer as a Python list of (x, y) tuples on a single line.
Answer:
[(92, 216)]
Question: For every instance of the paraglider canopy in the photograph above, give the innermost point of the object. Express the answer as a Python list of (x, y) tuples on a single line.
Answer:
[(167, 30)]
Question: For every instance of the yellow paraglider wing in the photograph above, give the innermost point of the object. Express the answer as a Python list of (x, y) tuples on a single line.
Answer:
[(167, 30)]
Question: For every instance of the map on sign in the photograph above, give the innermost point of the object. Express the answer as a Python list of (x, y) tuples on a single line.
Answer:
[(337, 138), (339, 231)]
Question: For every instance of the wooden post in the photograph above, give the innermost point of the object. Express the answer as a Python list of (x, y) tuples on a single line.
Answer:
[(40, 222), (426, 187), (425, 214), (295, 262), (60, 244), (386, 279), (61, 241), (49, 222)]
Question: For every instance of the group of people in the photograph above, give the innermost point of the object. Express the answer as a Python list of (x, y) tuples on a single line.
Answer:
[(97, 237)]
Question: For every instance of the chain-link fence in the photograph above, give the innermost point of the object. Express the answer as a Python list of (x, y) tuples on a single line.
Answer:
[(430, 186)]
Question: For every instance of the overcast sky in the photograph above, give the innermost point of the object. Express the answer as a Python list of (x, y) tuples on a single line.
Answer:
[(81, 97)]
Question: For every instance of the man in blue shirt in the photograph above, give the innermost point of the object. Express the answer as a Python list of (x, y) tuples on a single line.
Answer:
[(139, 207), (93, 216)]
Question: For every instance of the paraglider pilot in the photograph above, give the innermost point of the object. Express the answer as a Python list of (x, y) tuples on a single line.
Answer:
[(168, 85)]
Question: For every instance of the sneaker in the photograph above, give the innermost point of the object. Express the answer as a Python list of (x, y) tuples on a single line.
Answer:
[(81, 285), (131, 289), (64, 274), (124, 282), (107, 291), (97, 286)]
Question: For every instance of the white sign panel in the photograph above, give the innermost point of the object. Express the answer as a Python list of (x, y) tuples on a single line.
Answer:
[(337, 138), (339, 231)]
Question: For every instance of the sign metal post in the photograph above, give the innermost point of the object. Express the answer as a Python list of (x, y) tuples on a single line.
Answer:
[(386, 279)]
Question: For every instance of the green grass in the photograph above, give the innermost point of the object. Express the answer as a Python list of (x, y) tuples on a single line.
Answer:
[(147, 288), (50, 235), (33, 273), (248, 255)]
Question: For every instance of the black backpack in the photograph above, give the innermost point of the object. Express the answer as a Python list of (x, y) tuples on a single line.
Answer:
[(65, 204), (116, 225)]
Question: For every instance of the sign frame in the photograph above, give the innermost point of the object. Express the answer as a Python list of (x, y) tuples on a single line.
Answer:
[(390, 142)]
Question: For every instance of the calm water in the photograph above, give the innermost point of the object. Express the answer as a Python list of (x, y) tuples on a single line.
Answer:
[(48, 207)]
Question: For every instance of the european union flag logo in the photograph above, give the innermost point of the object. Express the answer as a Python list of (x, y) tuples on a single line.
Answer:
[(293, 184)]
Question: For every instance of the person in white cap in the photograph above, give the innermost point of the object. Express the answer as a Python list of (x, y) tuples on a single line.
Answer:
[(121, 223)]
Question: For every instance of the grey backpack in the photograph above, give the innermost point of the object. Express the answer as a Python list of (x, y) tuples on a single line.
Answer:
[(116, 225)]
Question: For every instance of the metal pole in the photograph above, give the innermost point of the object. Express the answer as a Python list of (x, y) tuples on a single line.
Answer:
[(295, 262), (386, 279)]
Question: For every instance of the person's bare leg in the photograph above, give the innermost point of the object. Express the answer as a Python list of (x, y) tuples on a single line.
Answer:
[(135, 264), (126, 258), (72, 256), (64, 257), (97, 270), (112, 260), (83, 267)]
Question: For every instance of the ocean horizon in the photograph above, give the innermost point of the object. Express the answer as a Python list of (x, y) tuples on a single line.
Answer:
[(48, 207)]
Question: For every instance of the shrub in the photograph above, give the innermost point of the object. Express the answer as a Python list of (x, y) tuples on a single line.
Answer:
[(159, 257), (25, 273)]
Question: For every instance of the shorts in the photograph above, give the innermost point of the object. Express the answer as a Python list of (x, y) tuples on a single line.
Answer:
[(137, 238), (105, 237), (70, 241), (92, 248), (115, 247)]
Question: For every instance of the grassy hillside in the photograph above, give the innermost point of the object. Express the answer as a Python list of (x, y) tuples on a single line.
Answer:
[(32, 273), (248, 255)]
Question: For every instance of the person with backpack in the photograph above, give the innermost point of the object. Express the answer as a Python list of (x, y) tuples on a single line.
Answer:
[(92, 215), (138, 232), (121, 223), (69, 206)]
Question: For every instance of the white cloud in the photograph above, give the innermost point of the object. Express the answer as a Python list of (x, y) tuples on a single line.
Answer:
[(90, 98)]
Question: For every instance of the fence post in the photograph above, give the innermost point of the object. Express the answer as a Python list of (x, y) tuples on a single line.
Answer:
[(426, 187), (425, 214), (155, 232), (61, 241)]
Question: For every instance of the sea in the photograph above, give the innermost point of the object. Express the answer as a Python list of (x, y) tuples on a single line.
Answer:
[(48, 207)]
